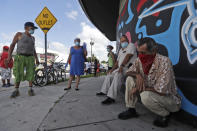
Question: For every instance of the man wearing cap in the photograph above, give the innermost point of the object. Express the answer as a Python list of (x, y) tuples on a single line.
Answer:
[(24, 61), (5, 69)]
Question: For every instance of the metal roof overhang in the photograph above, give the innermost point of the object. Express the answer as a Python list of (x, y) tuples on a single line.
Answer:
[(103, 14)]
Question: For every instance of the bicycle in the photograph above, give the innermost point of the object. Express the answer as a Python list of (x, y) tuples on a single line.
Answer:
[(46, 75)]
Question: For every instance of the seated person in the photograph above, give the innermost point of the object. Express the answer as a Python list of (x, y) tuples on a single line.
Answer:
[(153, 78), (115, 77)]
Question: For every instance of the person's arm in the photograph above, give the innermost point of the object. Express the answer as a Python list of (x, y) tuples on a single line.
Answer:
[(35, 54), (126, 59), (131, 50), (165, 78), (36, 57), (12, 46), (134, 69), (69, 57), (85, 53)]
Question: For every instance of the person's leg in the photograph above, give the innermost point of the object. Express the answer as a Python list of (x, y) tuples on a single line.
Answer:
[(69, 82), (8, 81), (31, 91), (116, 85), (3, 82), (9, 77), (107, 83), (3, 76), (18, 71), (77, 82), (160, 105), (130, 100), (16, 92), (30, 72)]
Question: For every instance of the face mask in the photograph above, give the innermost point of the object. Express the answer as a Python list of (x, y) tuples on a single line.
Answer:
[(108, 50), (124, 44), (31, 31), (77, 43), (147, 61)]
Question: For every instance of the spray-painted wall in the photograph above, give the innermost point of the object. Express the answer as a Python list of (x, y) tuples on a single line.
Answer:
[(173, 24)]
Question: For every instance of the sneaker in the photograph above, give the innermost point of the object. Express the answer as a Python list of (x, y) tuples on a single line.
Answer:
[(31, 92), (4, 85), (161, 121), (130, 113), (100, 94), (15, 94), (9, 84), (108, 101)]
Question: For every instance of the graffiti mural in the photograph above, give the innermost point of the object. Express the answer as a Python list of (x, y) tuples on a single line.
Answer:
[(173, 24)]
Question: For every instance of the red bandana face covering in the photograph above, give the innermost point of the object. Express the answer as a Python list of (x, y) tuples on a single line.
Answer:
[(147, 61)]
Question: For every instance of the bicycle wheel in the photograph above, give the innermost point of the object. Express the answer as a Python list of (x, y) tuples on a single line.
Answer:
[(59, 76), (40, 77), (54, 75), (63, 75)]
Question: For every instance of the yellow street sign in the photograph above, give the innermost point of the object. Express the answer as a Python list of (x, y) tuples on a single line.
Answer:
[(45, 20)]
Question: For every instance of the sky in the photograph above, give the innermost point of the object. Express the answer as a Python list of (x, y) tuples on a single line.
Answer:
[(71, 23)]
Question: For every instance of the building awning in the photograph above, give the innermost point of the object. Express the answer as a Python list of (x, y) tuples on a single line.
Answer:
[(103, 14)]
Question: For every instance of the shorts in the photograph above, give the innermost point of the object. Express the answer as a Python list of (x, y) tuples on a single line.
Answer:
[(5, 73), (24, 68)]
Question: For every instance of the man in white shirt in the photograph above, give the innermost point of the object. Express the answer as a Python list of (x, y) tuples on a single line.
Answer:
[(115, 77)]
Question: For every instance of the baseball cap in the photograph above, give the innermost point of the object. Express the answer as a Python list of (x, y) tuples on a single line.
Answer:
[(6, 47), (30, 24)]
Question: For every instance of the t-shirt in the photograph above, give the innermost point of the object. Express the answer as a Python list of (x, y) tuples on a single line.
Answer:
[(110, 61), (4, 56), (131, 49)]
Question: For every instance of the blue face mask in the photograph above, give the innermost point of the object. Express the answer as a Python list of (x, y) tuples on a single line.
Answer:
[(31, 31), (124, 44), (77, 43)]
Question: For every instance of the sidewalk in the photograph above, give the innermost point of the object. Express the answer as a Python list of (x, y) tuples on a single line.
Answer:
[(82, 111), (26, 113)]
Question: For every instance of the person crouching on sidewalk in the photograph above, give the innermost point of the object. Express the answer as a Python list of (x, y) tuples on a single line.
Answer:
[(5, 69), (153, 78)]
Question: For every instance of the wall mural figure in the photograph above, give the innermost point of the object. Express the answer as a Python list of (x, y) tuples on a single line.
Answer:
[(173, 24)]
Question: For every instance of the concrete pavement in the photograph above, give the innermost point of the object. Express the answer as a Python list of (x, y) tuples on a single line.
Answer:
[(26, 113), (82, 111), (53, 109)]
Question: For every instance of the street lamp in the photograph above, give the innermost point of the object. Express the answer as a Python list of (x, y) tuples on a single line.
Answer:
[(91, 44)]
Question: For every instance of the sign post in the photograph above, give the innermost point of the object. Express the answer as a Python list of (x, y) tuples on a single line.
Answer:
[(45, 21)]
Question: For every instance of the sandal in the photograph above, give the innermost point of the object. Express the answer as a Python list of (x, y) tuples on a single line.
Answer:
[(76, 89)]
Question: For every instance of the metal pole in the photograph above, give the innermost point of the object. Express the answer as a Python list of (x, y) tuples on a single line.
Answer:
[(46, 56), (91, 54)]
